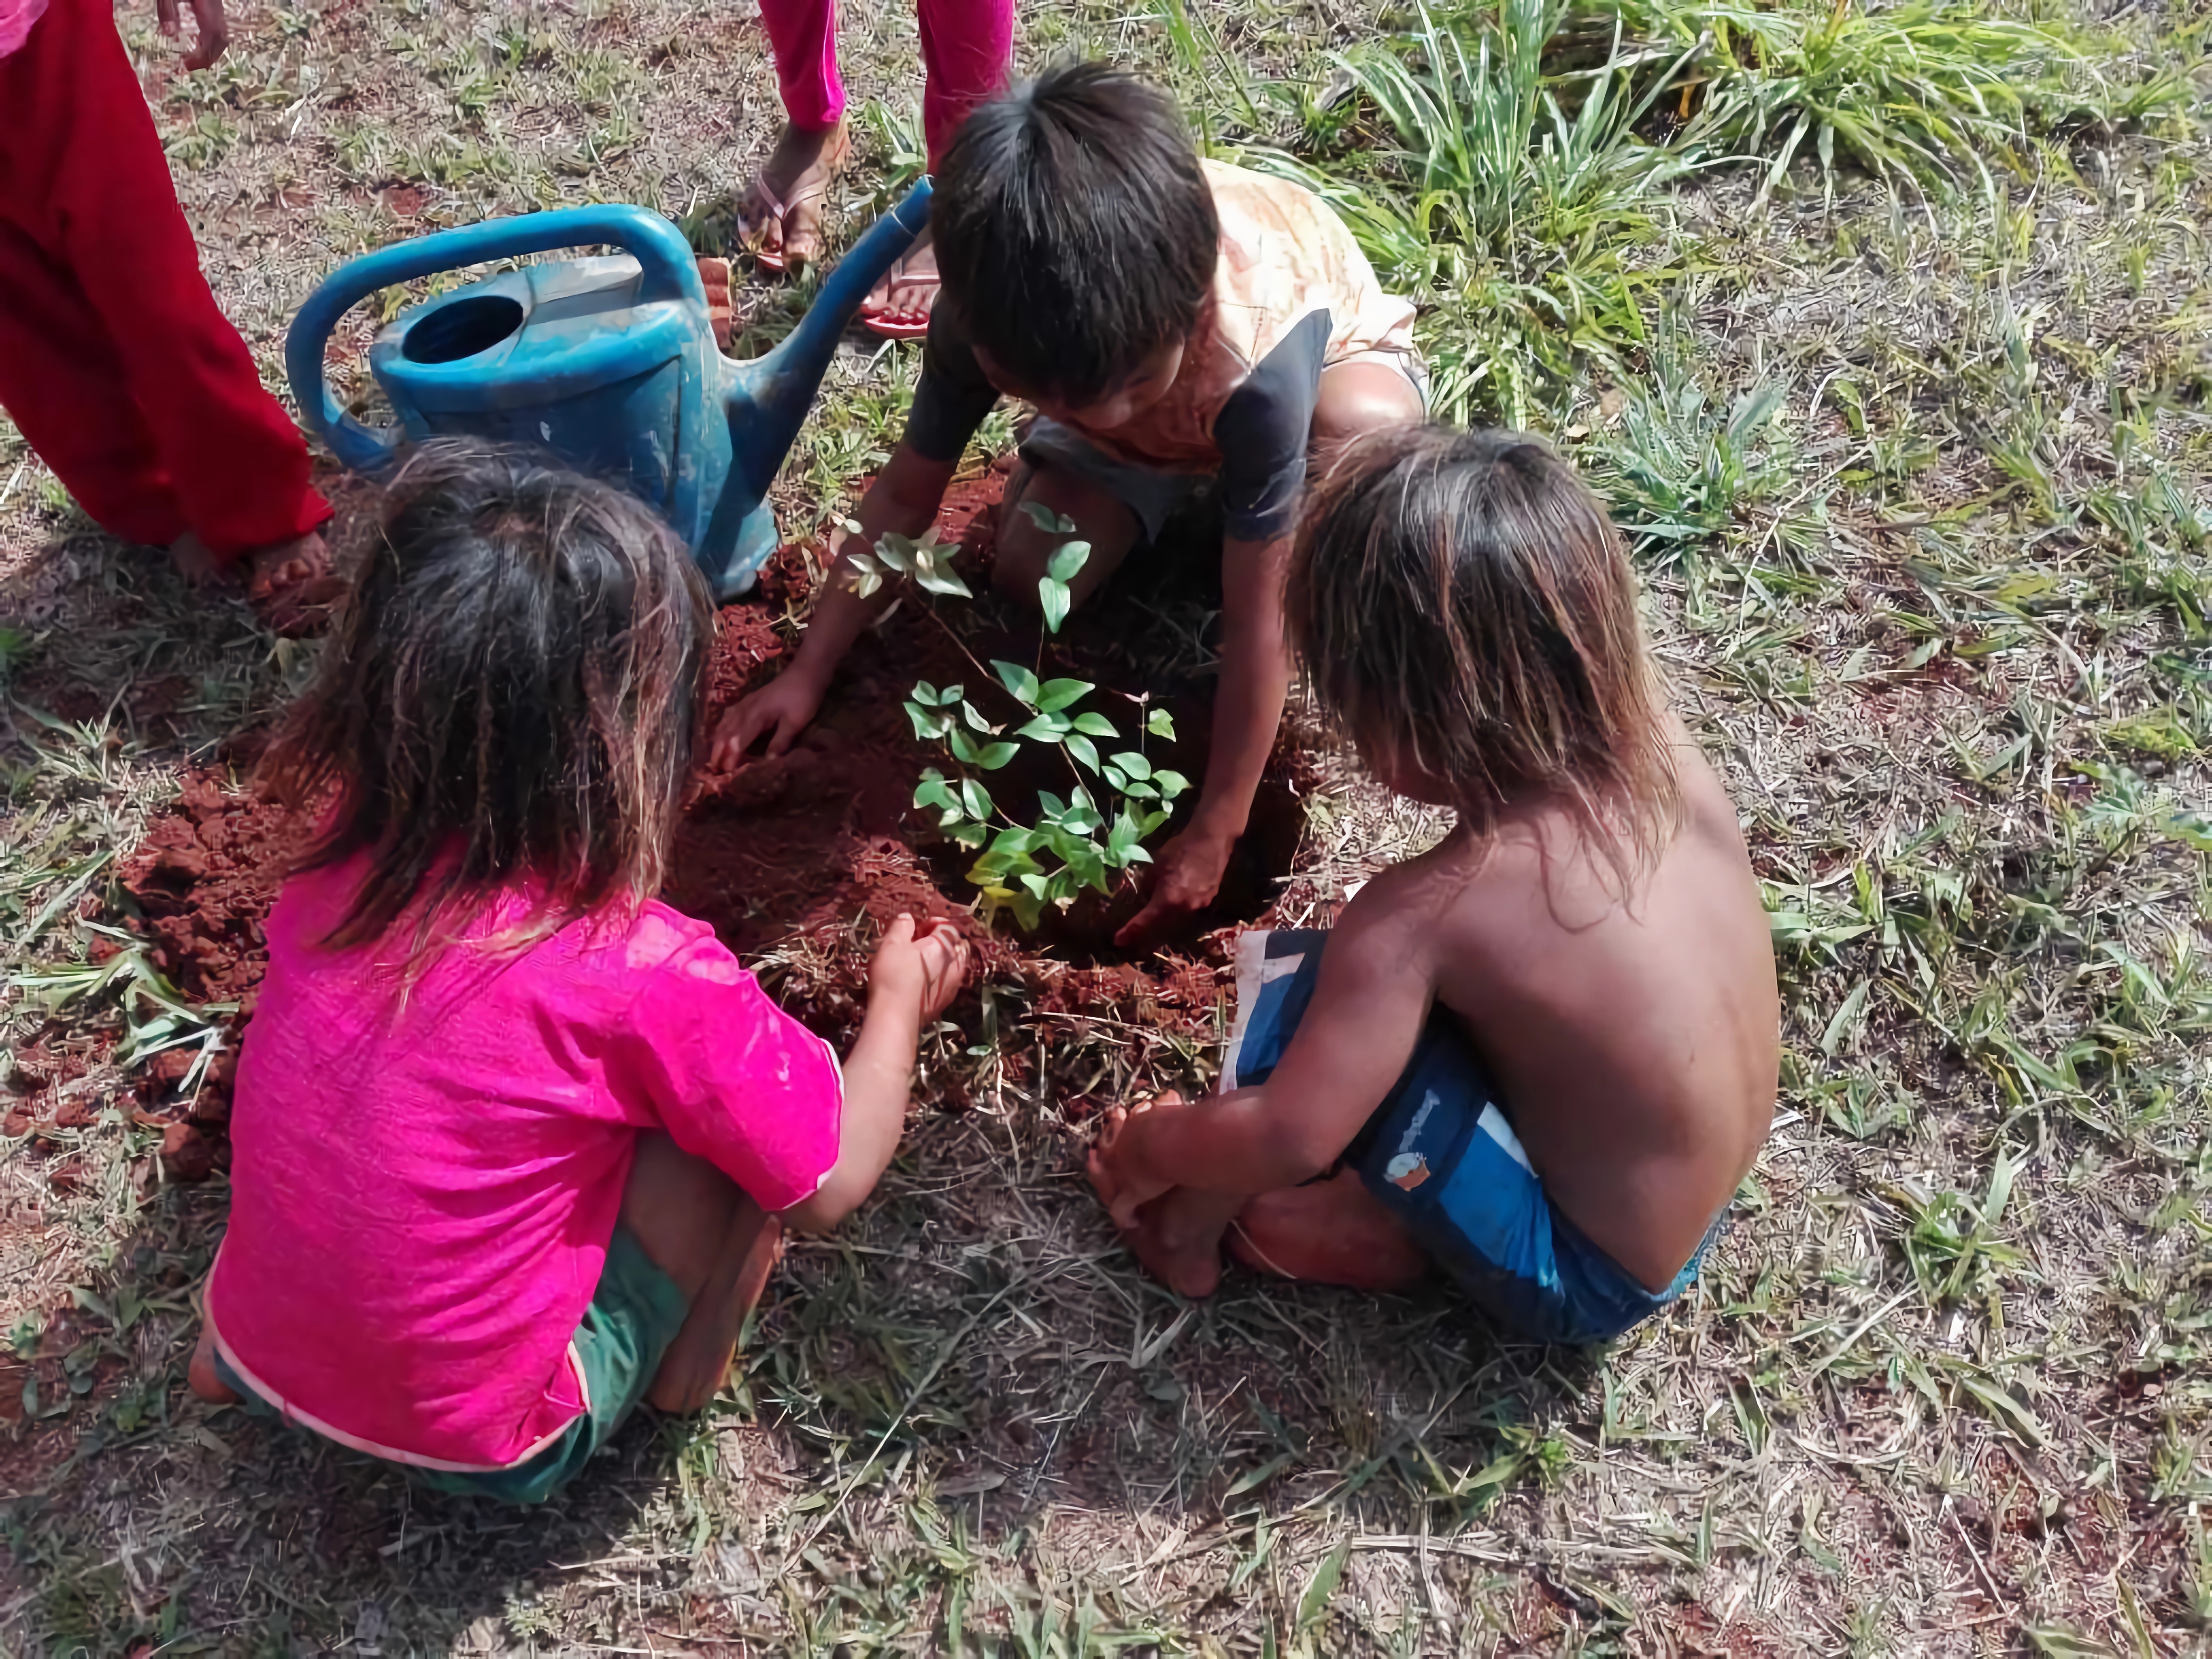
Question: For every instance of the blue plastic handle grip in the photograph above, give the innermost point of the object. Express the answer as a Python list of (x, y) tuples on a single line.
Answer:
[(663, 255)]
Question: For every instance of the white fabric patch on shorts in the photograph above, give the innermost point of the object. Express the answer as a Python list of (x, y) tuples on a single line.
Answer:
[(1253, 969), (1492, 1124)]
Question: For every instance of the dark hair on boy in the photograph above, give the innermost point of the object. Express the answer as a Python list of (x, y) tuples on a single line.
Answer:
[(1461, 603), (1075, 233), (510, 694)]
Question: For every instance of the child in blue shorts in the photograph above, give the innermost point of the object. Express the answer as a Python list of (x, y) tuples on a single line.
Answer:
[(1542, 1055)]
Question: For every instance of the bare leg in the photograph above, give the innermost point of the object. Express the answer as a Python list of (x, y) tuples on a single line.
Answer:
[(719, 1247), (1023, 549), (1356, 398), (1329, 1232)]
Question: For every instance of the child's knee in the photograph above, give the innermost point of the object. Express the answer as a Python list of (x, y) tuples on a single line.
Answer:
[(680, 1208)]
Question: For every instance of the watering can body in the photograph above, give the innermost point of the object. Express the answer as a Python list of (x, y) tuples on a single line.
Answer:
[(609, 361)]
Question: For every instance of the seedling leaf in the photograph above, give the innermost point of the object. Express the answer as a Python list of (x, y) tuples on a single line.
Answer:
[(1053, 599), (1046, 519), (1019, 681), (1055, 695), (1071, 558)]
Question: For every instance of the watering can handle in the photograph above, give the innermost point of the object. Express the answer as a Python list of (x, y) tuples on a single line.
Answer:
[(663, 255)]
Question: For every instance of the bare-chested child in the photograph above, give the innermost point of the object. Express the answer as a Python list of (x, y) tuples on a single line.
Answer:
[(1543, 1054)]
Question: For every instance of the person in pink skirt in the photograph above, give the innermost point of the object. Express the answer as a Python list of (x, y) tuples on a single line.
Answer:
[(116, 363), (966, 48)]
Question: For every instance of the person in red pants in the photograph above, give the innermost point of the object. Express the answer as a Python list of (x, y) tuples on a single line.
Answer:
[(966, 48), (115, 361)]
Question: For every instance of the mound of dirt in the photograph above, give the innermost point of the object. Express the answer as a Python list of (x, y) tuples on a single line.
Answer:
[(797, 861), (204, 879)]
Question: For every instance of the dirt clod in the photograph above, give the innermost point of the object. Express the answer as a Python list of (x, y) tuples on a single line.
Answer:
[(186, 1154)]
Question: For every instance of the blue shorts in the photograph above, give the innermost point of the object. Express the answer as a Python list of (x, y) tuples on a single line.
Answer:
[(1441, 1154)]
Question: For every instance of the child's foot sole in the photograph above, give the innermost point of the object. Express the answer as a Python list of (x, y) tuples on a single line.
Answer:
[(1332, 1232)]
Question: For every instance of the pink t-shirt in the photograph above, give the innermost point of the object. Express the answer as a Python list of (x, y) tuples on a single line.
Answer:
[(423, 1188), (16, 17)]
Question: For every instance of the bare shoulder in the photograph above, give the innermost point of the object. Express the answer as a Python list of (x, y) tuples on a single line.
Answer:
[(1398, 921), (1706, 809), (1452, 909)]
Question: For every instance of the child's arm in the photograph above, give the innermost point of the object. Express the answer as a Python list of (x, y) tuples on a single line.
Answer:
[(1255, 680), (903, 500), (1369, 1005), (909, 983)]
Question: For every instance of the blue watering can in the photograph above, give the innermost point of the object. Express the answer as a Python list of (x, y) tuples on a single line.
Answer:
[(609, 361)]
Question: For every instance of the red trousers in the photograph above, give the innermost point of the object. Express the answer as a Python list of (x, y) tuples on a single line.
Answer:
[(966, 46), (115, 361)]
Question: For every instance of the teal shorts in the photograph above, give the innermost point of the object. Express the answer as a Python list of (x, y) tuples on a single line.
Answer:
[(635, 1315)]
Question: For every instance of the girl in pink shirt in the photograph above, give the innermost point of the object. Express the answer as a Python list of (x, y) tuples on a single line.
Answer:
[(515, 1142)]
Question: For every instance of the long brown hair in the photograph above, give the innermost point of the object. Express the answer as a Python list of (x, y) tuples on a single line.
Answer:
[(509, 697), (1461, 599)]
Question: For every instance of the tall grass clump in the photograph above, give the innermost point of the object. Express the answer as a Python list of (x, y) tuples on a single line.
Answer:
[(1504, 199), (1907, 93)]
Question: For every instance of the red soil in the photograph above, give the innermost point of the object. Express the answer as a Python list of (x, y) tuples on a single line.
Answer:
[(799, 861)]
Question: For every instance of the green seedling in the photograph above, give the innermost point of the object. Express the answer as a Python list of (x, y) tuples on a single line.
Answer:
[(1117, 799)]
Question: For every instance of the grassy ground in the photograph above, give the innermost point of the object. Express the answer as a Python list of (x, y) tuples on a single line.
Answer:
[(1889, 339)]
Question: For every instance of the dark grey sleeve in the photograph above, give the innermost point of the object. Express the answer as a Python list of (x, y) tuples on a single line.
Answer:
[(1262, 432), (954, 395)]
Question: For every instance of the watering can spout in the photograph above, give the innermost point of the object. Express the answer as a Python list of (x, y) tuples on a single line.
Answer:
[(769, 396)]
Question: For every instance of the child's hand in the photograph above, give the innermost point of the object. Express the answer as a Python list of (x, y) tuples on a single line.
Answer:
[(928, 967), (1184, 881), (1119, 1168), (782, 708)]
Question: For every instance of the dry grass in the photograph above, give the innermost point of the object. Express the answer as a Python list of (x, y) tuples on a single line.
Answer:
[(1939, 605)]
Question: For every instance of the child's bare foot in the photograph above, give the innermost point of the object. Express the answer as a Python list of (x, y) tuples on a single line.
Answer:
[(290, 583), (1176, 1235), (202, 1375), (1331, 1232), (1178, 1238), (898, 306), (780, 215)]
